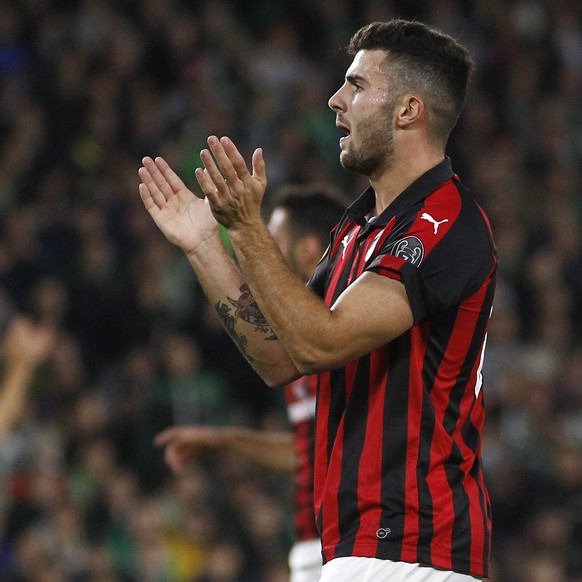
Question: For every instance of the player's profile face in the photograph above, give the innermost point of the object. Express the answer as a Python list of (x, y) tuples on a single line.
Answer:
[(364, 109)]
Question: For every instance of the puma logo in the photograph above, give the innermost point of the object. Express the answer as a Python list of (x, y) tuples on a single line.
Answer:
[(436, 223)]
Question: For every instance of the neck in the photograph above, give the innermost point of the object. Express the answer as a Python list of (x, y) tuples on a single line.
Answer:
[(403, 169)]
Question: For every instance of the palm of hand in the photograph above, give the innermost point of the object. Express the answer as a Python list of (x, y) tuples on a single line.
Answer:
[(186, 220)]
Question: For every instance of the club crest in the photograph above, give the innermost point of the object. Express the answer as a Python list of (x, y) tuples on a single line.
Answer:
[(410, 249)]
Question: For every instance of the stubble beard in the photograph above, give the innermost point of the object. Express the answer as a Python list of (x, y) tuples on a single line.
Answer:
[(375, 149)]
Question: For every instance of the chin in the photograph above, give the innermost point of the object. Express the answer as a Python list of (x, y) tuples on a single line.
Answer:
[(347, 161), (344, 158)]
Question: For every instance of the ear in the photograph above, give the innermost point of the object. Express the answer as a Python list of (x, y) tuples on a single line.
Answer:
[(308, 251), (409, 110)]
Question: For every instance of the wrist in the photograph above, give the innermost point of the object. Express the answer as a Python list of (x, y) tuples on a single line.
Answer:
[(246, 232), (206, 246)]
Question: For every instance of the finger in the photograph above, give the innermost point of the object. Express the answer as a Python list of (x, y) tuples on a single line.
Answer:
[(146, 173), (210, 192), (235, 158), (157, 178), (149, 190), (146, 197), (259, 167), (153, 201), (213, 170), (176, 184), (229, 174), (223, 161), (204, 181)]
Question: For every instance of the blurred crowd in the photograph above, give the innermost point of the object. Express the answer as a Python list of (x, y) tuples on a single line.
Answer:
[(87, 88)]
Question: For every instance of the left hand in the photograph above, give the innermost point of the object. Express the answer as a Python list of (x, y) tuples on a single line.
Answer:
[(234, 193)]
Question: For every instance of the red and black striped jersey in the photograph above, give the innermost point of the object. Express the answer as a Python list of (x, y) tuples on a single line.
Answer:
[(300, 397), (398, 470)]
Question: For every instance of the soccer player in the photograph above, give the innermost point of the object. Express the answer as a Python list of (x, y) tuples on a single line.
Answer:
[(394, 320), (300, 223)]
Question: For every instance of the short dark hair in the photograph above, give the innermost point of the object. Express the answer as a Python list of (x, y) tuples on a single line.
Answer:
[(311, 209), (425, 60)]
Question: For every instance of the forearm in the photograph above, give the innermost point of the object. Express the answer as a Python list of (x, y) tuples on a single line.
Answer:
[(226, 289), (13, 395), (370, 312), (298, 317), (270, 450)]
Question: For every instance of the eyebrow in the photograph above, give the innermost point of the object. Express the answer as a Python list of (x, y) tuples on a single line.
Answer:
[(353, 79)]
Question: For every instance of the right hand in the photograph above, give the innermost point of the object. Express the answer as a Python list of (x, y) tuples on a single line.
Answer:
[(234, 193), (184, 218), (183, 443)]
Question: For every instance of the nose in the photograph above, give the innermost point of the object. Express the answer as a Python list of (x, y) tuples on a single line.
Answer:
[(335, 102)]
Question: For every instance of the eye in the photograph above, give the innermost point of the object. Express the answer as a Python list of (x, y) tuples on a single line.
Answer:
[(354, 82)]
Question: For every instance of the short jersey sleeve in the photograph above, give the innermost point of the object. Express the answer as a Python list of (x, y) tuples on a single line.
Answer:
[(439, 265), (317, 280)]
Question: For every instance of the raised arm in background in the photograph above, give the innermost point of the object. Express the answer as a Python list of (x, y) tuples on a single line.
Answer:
[(24, 347)]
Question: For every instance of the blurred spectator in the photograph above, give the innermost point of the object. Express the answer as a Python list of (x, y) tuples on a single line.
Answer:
[(24, 347)]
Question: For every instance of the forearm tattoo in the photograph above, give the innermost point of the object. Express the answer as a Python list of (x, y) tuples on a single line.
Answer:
[(245, 308)]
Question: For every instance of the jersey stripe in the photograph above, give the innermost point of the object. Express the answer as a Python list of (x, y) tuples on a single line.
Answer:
[(355, 427), (370, 473), (411, 538), (322, 446)]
